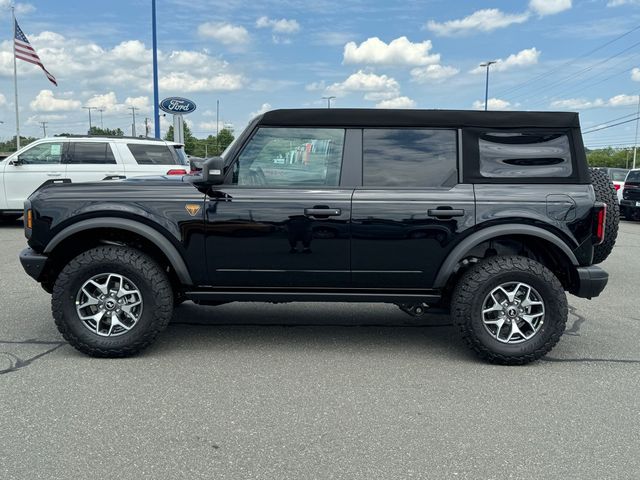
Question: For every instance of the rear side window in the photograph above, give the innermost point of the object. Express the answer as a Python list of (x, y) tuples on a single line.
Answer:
[(93, 153), (617, 175), (634, 176), (409, 158), (152, 154), (524, 154)]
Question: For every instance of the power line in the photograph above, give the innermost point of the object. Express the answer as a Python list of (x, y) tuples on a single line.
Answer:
[(610, 126), (567, 63)]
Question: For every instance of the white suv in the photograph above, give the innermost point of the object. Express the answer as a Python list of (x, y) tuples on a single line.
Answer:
[(83, 159)]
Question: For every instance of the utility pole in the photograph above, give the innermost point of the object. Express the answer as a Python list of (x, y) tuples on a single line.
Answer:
[(89, 110), (635, 145), (217, 125), (133, 125), (328, 99), (146, 126), (156, 95), (101, 124), (486, 87), (44, 128)]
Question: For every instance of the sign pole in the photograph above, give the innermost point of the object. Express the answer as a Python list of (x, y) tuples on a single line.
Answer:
[(156, 97), (15, 78)]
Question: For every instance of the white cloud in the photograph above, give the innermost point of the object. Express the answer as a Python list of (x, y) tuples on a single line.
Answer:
[(225, 33), (494, 104), (282, 25), (397, 102), (635, 74), (365, 82), (433, 73), (21, 8), (621, 100), (46, 102), (549, 7), (486, 20), (332, 39), (524, 58), (186, 82), (265, 107), (400, 51), (316, 86), (3, 100), (617, 3)]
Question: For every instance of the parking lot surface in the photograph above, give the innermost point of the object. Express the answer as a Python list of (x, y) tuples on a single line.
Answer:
[(315, 391)]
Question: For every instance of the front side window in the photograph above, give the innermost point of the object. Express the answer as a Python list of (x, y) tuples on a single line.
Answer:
[(524, 154), (409, 158), (291, 157), (92, 153), (152, 154), (45, 153)]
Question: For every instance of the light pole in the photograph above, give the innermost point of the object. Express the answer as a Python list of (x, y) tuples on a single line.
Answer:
[(156, 95), (89, 110), (486, 87), (635, 145), (101, 110), (328, 99)]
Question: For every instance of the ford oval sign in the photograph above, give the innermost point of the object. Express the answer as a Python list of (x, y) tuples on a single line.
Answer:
[(177, 105)]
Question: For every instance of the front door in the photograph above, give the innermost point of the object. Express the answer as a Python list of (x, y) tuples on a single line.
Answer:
[(283, 218), (35, 166)]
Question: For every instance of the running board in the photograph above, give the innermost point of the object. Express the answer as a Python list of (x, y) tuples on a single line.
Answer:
[(312, 296)]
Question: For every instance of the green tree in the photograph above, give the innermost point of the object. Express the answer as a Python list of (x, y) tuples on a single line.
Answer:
[(610, 157), (115, 132), (10, 145), (202, 147)]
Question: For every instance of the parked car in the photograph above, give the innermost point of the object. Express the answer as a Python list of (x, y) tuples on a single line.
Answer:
[(73, 159), (617, 176), (491, 216), (630, 203)]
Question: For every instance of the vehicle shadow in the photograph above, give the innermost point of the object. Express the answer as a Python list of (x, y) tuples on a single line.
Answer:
[(310, 326), (11, 225)]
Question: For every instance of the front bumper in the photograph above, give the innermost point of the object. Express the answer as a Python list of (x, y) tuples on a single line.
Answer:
[(591, 281), (33, 263), (629, 203)]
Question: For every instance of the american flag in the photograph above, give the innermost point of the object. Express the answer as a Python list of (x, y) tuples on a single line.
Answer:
[(24, 51)]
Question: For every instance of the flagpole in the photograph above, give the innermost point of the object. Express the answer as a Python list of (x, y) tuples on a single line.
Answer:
[(15, 78)]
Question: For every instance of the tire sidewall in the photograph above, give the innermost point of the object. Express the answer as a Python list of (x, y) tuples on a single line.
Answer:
[(552, 318), (76, 326)]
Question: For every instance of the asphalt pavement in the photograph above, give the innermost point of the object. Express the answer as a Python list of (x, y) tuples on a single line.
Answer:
[(319, 391)]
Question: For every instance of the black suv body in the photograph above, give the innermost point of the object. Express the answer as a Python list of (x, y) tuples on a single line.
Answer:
[(417, 208), (630, 203)]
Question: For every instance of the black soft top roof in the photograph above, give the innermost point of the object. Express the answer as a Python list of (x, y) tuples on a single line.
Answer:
[(372, 117)]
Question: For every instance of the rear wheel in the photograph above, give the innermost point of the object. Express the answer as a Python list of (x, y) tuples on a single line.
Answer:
[(510, 310), (112, 301), (606, 192)]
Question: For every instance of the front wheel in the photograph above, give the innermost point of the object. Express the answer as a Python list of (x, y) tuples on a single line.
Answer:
[(510, 310), (112, 301)]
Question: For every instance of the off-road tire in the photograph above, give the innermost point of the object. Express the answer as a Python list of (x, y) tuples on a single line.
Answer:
[(476, 283), (154, 286), (606, 192)]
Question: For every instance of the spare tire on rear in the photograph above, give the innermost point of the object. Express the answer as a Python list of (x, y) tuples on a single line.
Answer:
[(606, 193)]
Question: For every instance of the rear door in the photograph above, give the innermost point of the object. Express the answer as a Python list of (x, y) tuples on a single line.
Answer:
[(34, 167), (410, 209), (92, 162)]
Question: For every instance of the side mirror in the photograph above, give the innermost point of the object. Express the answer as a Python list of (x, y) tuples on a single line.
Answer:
[(213, 171), (17, 162)]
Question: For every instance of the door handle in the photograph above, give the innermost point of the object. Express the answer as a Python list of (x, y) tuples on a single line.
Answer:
[(445, 212), (54, 174), (322, 212)]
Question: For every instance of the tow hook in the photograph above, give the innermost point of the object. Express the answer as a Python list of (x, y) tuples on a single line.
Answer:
[(415, 310)]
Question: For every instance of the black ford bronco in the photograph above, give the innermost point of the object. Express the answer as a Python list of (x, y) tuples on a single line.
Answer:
[(491, 216)]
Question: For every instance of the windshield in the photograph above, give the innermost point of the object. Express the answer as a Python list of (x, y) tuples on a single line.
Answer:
[(634, 176)]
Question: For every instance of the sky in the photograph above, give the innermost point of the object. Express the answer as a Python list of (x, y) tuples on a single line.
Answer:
[(575, 55)]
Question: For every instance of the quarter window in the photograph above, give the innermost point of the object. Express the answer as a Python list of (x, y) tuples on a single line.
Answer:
[(291, 157), (42, 154), (524, 154), (152, 154), (409, 158), (92, 153)]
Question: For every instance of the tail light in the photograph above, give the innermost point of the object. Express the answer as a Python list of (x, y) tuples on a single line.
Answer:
[(616, 186), (177, 171), (600, 212)]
